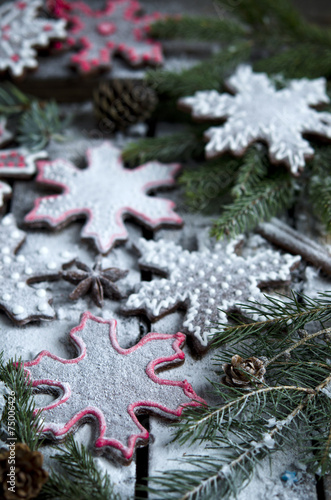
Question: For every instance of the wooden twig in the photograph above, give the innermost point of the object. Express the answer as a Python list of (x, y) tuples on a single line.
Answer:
[(292, 241)]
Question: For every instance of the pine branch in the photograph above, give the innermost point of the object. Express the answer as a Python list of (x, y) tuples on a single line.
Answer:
[(12, 100), (40, 124), (294, 63), (197, 28), (206, 75), (249, 425), (291, 314), (28, 424), (266, 14), (175, 147), (320, 195), (79, 478), (253, 169), (206, 184), (265, 200)]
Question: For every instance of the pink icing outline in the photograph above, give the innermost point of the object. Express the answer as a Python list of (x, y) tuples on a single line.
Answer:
[(102, 441), (64, 10), (173, 169)]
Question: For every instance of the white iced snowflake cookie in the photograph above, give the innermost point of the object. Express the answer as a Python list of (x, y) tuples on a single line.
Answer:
[(258, 111), (21, 30), (19, 269), (204, 283)]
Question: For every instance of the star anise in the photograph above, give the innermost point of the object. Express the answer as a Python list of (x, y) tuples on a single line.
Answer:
[(96, 281)]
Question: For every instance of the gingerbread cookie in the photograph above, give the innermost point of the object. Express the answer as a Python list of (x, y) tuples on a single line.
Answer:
[(258, 111), (16, 164), (21, 30), (18, 270), (98, 35), (104, 192), (5, 134), (207, 284), (121, 384)]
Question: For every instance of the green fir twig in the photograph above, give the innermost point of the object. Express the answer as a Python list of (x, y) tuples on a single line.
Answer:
[(201, 28), (263, 201), (291, 406), (28, 422), (78, 477)]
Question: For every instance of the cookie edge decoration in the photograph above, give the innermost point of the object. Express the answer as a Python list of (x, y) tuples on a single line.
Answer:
[(102, 442)]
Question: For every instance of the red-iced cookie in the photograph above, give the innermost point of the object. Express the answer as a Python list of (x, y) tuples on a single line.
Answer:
[(21, 30), (118, 384), (98, 35), (104, 192)]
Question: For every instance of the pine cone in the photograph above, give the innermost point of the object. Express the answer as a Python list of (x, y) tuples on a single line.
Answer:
[(121, 103), (29, 476), (243, 373)]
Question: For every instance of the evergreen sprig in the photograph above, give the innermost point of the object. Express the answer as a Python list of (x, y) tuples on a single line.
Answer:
[(206, 75), (201, 28), (12, 100), (292, 405), (40, 124), (174, 147), (38, 121), (77, 477), (275, 39), (261, 202), (28, 423)]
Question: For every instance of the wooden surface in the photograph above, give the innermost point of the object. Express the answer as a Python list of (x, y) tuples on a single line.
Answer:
[(55, 79)]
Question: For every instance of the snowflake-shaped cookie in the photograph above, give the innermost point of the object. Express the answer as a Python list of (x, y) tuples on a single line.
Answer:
[(21, 30), (20, 301), (260, 112), (5, 135), (104, 192), (204, 282), (16, 164), (100, 34), (118, 384)]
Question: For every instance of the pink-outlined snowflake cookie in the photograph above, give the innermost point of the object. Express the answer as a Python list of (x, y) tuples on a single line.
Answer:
[(118, 384), (104, 193), (21, 31), (100, 34)]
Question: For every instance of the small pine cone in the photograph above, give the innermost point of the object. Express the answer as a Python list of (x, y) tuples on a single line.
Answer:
[(29, 476), (121, 103), (243, 373)]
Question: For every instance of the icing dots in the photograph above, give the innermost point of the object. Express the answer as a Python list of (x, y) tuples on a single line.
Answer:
[(215, 281)]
